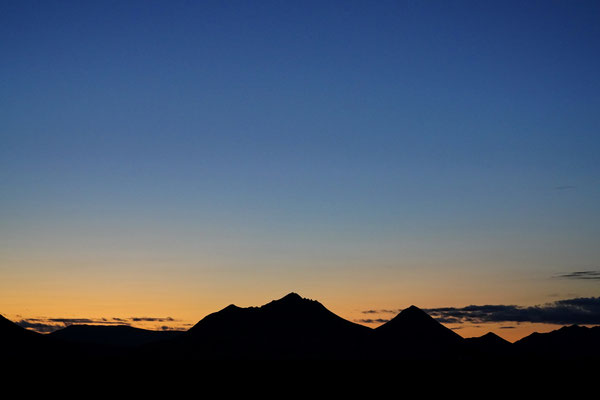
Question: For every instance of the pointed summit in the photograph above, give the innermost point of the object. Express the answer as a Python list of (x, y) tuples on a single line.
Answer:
[(413, 318), (491, 337), (414, 312), (291, 297), (231, 307), (415, 334)]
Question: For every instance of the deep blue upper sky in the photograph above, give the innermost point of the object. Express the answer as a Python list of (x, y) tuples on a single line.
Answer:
[(327, 124)]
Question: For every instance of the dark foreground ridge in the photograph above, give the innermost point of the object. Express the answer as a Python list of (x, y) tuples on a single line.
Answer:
[(293, 327)]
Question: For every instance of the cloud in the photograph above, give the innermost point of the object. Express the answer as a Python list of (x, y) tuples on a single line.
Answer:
[(582, 275), (37, 326), (564, 187), (151, 319), (71, 321), (372, 321), (581, 311), (46, 325), (381, 311), (172, 328), (447, 319)]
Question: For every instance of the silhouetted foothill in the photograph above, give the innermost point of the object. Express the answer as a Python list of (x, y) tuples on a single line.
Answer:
[(489, 346), (569, 342), (490, 339), (111, 335)]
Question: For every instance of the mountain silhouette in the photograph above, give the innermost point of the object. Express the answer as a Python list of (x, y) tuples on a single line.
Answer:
[(568, 342), (413, 324), (414, 334), (17, 342), (489, 346), (291, 327), (9, 331), (111, 335), (490, 339)]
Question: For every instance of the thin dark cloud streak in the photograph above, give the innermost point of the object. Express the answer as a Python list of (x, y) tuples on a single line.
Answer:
[(381, 311), (47, 325), (151, 319), (564, 187), (38, 326), (372, 320), (581, 275)]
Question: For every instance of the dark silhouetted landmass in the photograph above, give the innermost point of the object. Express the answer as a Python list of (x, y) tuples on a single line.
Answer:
[(291, 327), (111, 335), (16, 341), (294, 328), (413, 334), (20, 343), (567, 343), (489, 346)]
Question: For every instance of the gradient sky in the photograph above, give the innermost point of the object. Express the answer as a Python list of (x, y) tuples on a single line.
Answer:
[(166, 159)]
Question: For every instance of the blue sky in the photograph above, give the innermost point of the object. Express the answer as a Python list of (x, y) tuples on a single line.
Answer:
[(350, 135)]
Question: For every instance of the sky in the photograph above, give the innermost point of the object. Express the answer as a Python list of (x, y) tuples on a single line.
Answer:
[(163, 159)]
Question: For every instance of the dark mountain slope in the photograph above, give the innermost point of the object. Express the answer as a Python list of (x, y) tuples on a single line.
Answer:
[(489, 346), (413, 334), (567, 343), (17, 343), (15, 339), (291, 327)]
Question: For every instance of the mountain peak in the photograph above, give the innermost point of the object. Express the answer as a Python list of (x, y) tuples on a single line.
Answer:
[(572, 328), (414, 334), (291, 297), (491, 335), (411, 316), (491, 338), (415, 325), (413, 312), (231, 307), (291, 300)]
